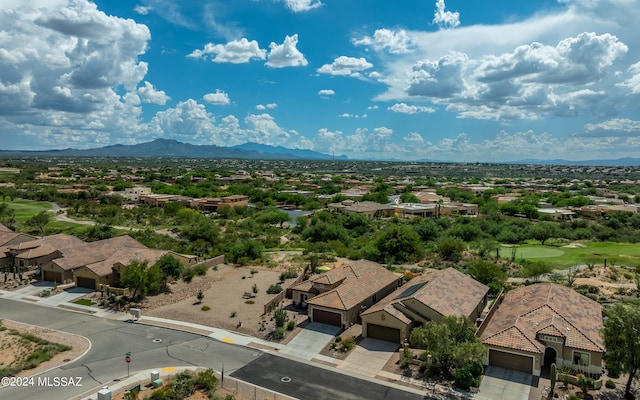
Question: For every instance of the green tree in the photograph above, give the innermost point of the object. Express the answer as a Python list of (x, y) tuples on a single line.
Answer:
[(465, 353), (170, 267), (535, 269), (450, 248), (397, 243), (435, 338), (39, 220), (99, 232), (543, 231), (486, 272), (200, 296), (621, 335), (140, 279)]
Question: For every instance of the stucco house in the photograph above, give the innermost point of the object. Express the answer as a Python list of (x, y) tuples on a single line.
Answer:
[(107, 271), (537, 325), (428, 297), (337, 297)]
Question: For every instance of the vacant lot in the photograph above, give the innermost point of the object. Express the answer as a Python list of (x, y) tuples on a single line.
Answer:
[(224, 293), (19, 341)]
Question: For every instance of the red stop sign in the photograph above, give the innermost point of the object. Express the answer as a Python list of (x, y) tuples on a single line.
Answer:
[(127, 359)]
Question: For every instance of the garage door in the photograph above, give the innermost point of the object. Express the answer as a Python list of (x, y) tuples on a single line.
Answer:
[(327, 317), (383, 333), (52, 276), (85, 282), (511, 361)]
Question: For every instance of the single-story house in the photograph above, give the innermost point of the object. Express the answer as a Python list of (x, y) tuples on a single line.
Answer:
[(337, 297), (537, 325), (63, 268), (107, 272), (369, 209), (40, 253), (9, 238), (428, 297)]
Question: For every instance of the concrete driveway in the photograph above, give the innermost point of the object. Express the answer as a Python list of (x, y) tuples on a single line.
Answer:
[(310, 341), (504, 384), (369, 357)]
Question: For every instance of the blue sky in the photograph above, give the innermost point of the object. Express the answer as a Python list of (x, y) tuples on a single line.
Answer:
[(442, 80)]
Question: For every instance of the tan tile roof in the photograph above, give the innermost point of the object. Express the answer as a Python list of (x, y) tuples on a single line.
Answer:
[(3, 228), (361, 279), (93, 252), (6, 237), (368, 206), (45, 246), (447, 292), (550, 309), (124, 256)]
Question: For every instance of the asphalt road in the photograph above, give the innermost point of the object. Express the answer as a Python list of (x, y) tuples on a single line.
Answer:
[(307, 382), (111, 339)]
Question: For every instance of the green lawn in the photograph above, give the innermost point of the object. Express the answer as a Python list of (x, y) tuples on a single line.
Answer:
[(84, 302), (625, 254), (26, 209)]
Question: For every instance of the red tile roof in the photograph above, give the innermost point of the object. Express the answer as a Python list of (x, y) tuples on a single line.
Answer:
[(549, 309)]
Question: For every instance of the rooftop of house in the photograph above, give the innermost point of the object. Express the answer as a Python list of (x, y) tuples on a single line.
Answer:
[(125, 256), (359, 280), (93, 252), (447, 292), (549, 309)]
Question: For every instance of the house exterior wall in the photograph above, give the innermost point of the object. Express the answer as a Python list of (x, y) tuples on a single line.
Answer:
[(595, 360), (385, 319), (67, 276)]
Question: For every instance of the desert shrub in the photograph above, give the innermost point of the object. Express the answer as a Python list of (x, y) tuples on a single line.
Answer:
[(609, 384), (279, 333), (200, 270), (205, 308), (348, 343), (291, 325), (250, 302), (290, 273), (274, 289), (280, 317), (206, 380), (463, 378), (423, 368), (188, 274), (233, 314), (475, 368)]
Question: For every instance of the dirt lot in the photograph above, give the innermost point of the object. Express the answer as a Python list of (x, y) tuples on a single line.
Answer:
[(224, 292), (11, 347)]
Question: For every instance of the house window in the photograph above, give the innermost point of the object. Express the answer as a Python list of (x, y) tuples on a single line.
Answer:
[(580, 358)]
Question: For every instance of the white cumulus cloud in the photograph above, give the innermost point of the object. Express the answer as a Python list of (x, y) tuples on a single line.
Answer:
[(262, 107), (407, 109), (149, 94), (346, 66), (302, 5), (395, 42), (326, 92), (235, 52), (445, 19), (219, 98), (286, 54)]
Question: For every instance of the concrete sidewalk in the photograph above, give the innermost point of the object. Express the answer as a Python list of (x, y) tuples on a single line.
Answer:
[(306, 346)]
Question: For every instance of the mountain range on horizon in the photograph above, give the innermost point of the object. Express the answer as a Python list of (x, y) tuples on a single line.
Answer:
[(255, 151)]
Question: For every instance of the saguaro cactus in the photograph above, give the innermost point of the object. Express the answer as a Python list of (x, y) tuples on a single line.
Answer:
[(554, 376)]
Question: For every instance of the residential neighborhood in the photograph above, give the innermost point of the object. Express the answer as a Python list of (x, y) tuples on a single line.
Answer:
[(397, 262)]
